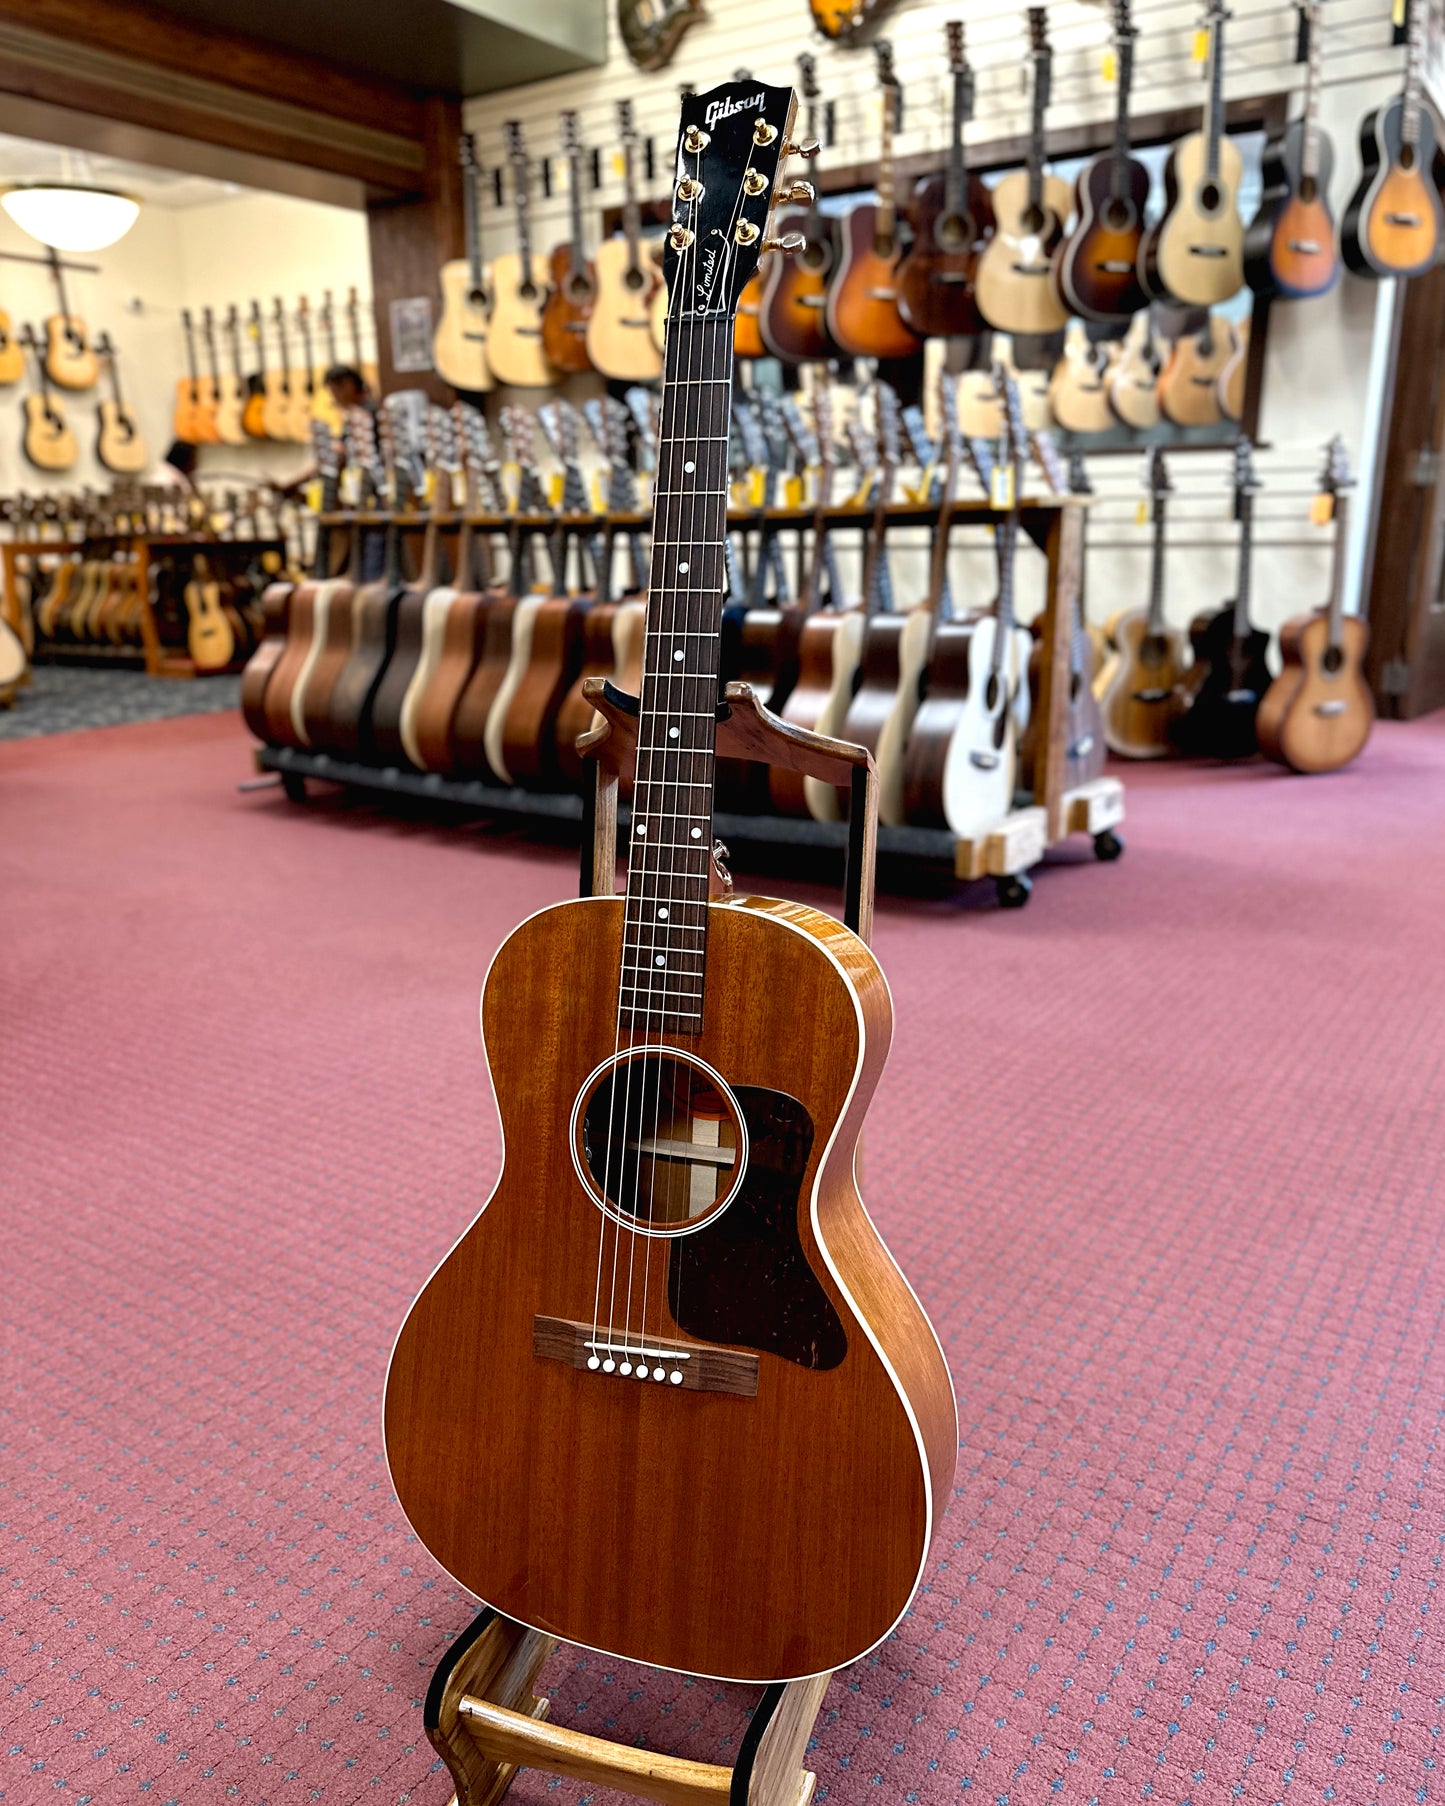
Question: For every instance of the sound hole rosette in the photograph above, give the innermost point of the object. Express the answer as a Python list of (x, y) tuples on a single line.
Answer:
[(705, 1099)]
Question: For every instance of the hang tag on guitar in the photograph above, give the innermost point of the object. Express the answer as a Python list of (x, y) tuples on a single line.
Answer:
[(426, 493), (315, 494), (348, 490), (793, 491), (1200, 51), (1001, 486), (757, 485), (556, 480), (619, 164), (1141, 514), (1109, 68), (1322, 509)]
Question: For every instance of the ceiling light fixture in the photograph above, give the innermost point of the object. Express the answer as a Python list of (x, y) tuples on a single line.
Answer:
[(69, 217)]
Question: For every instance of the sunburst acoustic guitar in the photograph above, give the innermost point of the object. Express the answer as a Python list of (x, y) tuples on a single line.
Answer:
[(674, 1283), (1291, 246), (1394, 223)]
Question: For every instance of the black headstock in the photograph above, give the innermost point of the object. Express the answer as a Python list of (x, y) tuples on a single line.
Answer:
[(730, 145), (625, 128), (808, 75), (571, 142), (467, 153), (1337, 474), (1159, 483)]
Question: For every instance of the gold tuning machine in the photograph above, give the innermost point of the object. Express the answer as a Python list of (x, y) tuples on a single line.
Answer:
[(808, 147), (694, 139), (803, 192), (789, 244)]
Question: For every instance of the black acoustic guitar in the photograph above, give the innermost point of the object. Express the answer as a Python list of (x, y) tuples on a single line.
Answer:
[(1229, 676)]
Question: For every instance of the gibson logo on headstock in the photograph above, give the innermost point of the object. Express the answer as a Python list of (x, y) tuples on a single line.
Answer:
[(724, 109)]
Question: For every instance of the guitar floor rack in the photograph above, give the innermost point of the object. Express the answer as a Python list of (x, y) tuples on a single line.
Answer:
[(480, 1712)]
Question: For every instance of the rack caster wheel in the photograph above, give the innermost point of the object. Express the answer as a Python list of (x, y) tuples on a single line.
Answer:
[(1107, 846), (294, 785), (1014, 890)]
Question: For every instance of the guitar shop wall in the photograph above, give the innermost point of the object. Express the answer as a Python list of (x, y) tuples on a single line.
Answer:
[(1319, 370), (196, 243)]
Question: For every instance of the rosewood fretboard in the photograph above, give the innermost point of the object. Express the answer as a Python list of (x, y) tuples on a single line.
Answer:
[(664, 945)]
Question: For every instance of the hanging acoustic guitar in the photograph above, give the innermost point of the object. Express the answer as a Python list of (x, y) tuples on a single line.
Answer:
[(652, 29), (596, 1410)]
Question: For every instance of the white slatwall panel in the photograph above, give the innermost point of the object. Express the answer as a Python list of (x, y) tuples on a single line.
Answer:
[(1318, 351)]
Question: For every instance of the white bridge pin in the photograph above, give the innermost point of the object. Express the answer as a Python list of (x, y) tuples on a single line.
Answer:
[(659, 1373), (625, 1368), (608, 1365), (593, 1362), (676, 1377)]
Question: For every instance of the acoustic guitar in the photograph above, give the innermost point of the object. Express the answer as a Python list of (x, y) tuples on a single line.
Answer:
[(253, 415), (12, 356), (1195, 253), (231, 390), (519, 287), (478, 700), (1233, 380), (952, 219), (1189, 381), (532, 596), (119, 445), (1139, 701), (1394, 224), (1015, 283), (459, 344), (208, 397), (1317, 714), (47, 440), (1133, 378), (280, 711), (862, 310), (300, 378), (185, 419), (388, 723), (651, 30), (210, 639), (1079, 386), (1290, 247), (619, 330), (1226, 682), (418, 721), (367, 366), (845, 21), (70, 359), (277, 413), (1096, 269), (656, 1124), (275, 613), (323, 406), (572, 280), (793, 320)]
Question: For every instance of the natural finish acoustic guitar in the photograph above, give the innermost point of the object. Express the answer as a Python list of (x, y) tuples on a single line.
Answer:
[(619, 328), (519, 288), (119, 445), (185, 419), (210, 639), (863, 315), (1394, 223), (1189, 381), (1291, 247), (231, 391), (1140, 699), (459, 344), (1015, 283), (1317, 714), (47, 440), (1133, 379), (253, 415), (1195, 253), (12, 357), (70, 359), (674, 1284)]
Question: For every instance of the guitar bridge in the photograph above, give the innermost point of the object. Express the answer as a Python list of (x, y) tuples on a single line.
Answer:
[(1306, 247), (1328, 709), (983, 761), (1150, 696), (1207, 251), (624, 1354)]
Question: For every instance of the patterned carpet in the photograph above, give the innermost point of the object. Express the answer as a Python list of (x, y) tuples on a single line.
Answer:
[(1162, 1154), (62, 699)]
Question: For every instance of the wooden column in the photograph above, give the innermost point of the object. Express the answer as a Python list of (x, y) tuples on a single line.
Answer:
[(412, 238)]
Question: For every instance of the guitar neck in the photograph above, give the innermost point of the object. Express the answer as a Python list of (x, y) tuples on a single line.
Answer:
[(887, 199), (1310, 148), (1414, 51), (1246, 552), (665, 920), (1214, 116), (473, 226), (574, 172), (1118, 172), (523, 204), (631, 216), (1156, 571), (1008, 534), (1036, 132), (954, 182), (1336, 610)]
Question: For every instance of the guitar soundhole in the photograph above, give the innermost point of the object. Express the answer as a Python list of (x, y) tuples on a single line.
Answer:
[(476, 297), (528, 290), (993, 692), (1152, 650), (662, 1140), (1117, 214), (816, 257), (1406, 159), (1032, 220), (1209, 197), (1332, 661), (953, 233), (579, 290), (634, 279)]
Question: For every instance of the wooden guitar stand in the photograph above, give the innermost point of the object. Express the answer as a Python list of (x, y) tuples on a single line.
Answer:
[(480, 1713)]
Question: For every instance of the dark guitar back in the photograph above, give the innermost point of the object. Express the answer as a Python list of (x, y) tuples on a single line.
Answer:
[(574, 716), (275, 608), (347, 730), (530, 734), (879, 671), (761, 650), (935, 279), (1222, 701), (945, 690), (469, 723), (331, 661), (401, 667), (461, 648)]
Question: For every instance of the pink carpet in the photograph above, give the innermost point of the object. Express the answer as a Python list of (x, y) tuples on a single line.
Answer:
[(1161, 1153)]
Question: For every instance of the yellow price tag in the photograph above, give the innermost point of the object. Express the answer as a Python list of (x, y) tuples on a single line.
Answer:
[(793, 491), (511, 478), (1141, 514), (1397, 15), (757, 487), (271, 563), (315, 495), (555, 481), (1200, 51), (1322, 509), (1110, 66), (619, 164), (428, 491), (1001, 486)]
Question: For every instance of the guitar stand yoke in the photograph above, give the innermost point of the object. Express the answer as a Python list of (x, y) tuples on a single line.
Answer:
[(481, 1714), (1007, 850)]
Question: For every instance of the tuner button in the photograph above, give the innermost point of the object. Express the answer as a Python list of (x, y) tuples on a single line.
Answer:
[(754, 182), (789, 244), (689, 189), (800, 191), (809, 147), (763, 133), (679, 237), (746, 233), (694, 139)]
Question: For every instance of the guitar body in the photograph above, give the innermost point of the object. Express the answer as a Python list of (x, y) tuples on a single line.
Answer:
[(261, 666), (12, 357), (1189, 382), (980, 412), (373, 635), (862, 310), (70, 361), (386, 742), (566, 311), (1195, 254), (459, 344), (1085, 750), (936, 278), (529, 724), (895, 652), (1222, 693), (735, 1570), (794, 317), (119, 445), (210, 638), (299, 409), (1096, 271), (1140, 700), (926, 756), (1317, 714), (478, 699), (514, 339), (1079, 394), (1015, 287), (619, 333), (47, 442), (747, 332), (436, 612), (980, 771), (332, 657), (230, 412), (463, 637), (1133, 386), (253, 414), (1393, 224), (844, 20), (759, 648), (829, 649), (204, 418), (575, 714), (184, 415), (276, 406), (1289, 248)]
